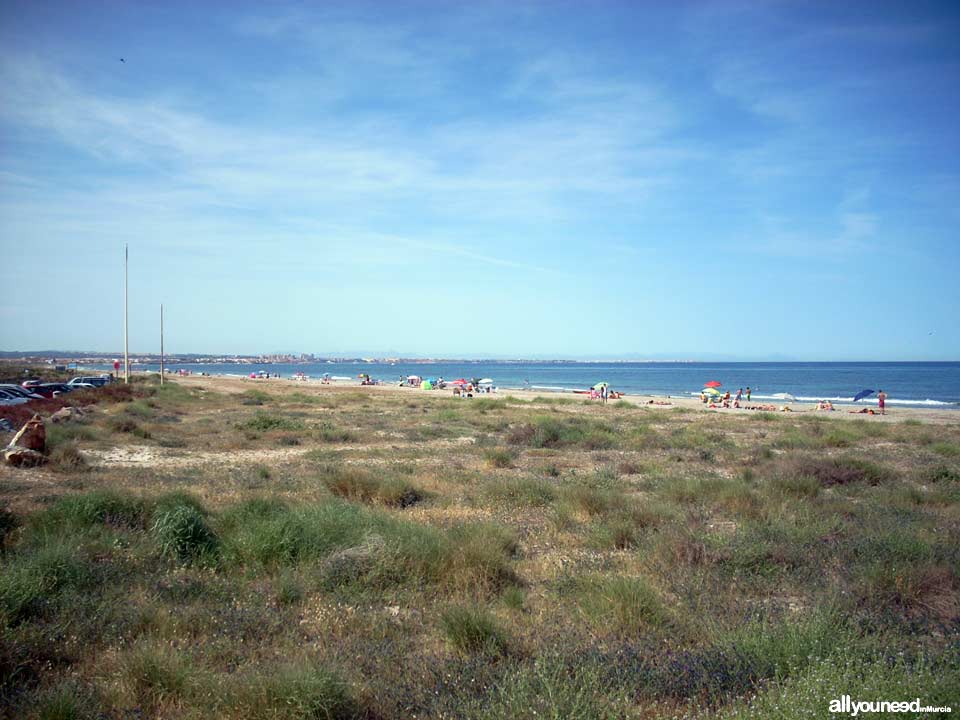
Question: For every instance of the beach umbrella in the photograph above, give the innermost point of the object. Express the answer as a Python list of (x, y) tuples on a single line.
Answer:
[(862, 394), (711, 391), (601, 385), (713, 384), (783, 396), (486, 381), (459, 381)]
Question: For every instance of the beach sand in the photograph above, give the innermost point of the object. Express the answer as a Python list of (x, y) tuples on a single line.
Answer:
[(897, 414)]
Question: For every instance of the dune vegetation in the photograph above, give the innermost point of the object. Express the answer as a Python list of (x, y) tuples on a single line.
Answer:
[(247, 550)]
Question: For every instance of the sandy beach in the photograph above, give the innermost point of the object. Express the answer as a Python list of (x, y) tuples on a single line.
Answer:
[(225, 383)]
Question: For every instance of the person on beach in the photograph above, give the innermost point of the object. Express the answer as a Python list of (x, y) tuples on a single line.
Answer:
[(603, 394), (736, 400), (748, 393), (882, 402)]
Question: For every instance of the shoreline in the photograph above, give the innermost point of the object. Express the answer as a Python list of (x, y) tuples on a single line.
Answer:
[(897, 413)]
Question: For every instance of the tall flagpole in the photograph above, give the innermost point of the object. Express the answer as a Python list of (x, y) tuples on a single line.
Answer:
[(126, 347), (161, 343)]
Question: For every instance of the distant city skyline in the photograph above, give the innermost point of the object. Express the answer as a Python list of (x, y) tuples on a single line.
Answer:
[(701, 180)]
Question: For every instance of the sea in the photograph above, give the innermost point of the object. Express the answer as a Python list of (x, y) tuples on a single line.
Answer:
[(918, 384)]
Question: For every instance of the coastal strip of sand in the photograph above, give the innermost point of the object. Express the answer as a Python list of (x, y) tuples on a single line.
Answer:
[(843, 411)]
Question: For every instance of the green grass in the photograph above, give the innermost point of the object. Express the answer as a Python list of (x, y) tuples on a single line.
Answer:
[(32, 581), (553, 432), (499, 457), (473, 629), (370, 486), (265, 422), (623, 605), (808, 694), (181, 532)]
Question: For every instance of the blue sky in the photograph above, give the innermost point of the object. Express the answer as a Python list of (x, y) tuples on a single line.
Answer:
[(734, 180)]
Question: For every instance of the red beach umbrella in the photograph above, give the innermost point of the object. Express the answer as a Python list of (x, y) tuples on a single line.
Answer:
[(713, 384), (460, 381)]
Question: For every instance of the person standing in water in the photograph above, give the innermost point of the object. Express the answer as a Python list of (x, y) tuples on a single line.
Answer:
[(882, 402)]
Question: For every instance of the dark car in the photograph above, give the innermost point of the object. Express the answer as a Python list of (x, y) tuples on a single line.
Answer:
[(49, 390), (22, 392)]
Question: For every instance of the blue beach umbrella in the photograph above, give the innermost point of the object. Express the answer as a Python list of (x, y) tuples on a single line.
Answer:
[(862, 394)]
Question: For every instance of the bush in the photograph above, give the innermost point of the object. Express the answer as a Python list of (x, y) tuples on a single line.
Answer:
[(153, 672), (809, 693), (182, 533), (68, 458), (839, 471), (623, 604), (295, 691), (106, 507), (68, 700), (519, 492), (329, 433), (32, 581), (254, 397), (473, 629), (128, 425), (498, 458), (551, 432), (264, 422), (362, 485), (552, 688)]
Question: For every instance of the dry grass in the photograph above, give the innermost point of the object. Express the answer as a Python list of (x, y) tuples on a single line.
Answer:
[(219, 551)]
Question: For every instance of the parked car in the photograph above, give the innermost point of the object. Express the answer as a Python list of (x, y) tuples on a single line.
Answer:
[(8, 398), (90, 380), (51, 390), (31, 383), (22, 392)]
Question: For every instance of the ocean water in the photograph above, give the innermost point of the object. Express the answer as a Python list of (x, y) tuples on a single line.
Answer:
[(922, 384)]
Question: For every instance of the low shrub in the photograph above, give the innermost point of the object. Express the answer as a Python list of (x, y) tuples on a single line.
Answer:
[(254, 397), (473, 629), (68, 458), (154, 672), (264, 422), (32, 581), (838, 471), (947, 449), (363, 547), (123, 424), (363, 485), (329, 433), (106, 507), (624, 605), (181, 532), (551, 432), (294, 691), (940, 474), (519, 491), (498, 457)]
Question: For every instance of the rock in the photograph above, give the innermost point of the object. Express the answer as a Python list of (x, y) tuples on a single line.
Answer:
[(24, 457), (32, 436), (65, 414)]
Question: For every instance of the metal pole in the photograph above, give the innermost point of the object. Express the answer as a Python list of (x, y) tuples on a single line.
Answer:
[(161, 343), (126, 347)]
